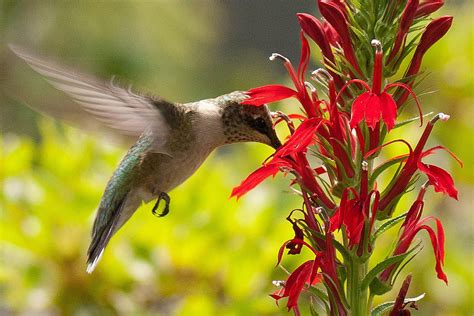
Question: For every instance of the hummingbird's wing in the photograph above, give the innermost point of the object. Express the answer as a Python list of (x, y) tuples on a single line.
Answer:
[(121, 109)]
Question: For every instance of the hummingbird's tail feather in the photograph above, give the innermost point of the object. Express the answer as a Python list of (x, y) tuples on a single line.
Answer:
[(102, 233)]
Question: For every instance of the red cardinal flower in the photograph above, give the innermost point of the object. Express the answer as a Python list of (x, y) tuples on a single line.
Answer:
[(353, 213), (350, 214), (373, 105), (305, 275), (410, 228), (439, 178), (297, 143)]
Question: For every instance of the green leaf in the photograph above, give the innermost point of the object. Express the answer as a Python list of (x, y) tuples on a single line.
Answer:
[(380, 267), (387, 225), (416, 118), (378, 287), (384, 166), (312, 310), (380, 309), (323, 297)]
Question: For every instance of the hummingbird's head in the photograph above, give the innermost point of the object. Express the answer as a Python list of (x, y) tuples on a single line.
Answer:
[(248, 123)]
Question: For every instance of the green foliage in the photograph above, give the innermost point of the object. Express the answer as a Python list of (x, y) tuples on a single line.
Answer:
[(207, 244)]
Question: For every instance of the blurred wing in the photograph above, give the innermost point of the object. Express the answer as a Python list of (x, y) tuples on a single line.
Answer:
[(117, 108)]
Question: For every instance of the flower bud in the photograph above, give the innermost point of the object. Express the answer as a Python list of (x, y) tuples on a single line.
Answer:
[(427, 7)]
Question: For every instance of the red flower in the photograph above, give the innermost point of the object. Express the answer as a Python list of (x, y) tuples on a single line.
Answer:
[(410, 228), (427, 7), (439, 178), (375, 104), (353, 213), (284, 157), (305, 275)]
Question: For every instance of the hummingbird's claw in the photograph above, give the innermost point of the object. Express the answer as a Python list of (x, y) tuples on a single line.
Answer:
[(166, 210)]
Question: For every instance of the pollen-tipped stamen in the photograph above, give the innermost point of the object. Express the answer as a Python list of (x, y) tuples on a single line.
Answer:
[(377, 75), (321, 73), (288, 66), (440, 116)]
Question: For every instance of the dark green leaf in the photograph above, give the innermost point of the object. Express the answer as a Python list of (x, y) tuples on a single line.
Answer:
[(380, 309), (387, 225), (379, 268)]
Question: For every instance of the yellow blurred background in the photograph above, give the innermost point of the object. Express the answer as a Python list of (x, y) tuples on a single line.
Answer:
[(211, 255)]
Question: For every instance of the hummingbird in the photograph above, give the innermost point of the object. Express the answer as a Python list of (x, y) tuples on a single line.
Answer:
[(172, 140)]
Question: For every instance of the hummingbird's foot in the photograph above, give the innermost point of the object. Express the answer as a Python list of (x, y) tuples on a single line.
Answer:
[(166, 210)]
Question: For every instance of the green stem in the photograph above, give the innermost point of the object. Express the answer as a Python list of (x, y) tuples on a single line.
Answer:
[(358, 298)]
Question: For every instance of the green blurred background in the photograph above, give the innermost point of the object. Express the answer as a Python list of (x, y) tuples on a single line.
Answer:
[(211, 255)]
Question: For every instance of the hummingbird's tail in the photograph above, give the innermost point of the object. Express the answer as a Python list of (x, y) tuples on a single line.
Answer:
[(120, 200), (106, 223)]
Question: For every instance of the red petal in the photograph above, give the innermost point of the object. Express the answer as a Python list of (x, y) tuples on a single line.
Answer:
[(305, 55), (256, 177), (373, 111), (431, 150), (295, 283), (331, 34), (268, 94), (301, 138), (367, 106), (336, 220), (358, 109), (389, 110), (440, 179), (435, 242)]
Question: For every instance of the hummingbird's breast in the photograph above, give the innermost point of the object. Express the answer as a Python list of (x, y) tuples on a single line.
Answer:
[(195, 131), (162, 173)]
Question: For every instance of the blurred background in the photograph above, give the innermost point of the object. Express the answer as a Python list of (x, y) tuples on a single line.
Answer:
[(211, 255)]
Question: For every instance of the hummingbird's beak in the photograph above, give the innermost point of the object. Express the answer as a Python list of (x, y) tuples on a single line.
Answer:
[(275, 142)]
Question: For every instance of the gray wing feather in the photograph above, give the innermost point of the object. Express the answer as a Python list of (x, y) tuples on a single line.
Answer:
[(117, 108)]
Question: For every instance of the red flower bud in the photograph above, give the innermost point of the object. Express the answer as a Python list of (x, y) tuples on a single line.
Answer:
[(406, 21), (427, 7), (315, 29), (331, 34), (332, 12), (432, 33)]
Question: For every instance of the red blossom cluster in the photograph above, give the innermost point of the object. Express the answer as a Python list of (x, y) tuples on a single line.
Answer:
[(341, 197)]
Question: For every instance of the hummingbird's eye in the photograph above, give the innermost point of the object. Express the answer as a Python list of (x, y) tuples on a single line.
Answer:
[(260, 125)]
